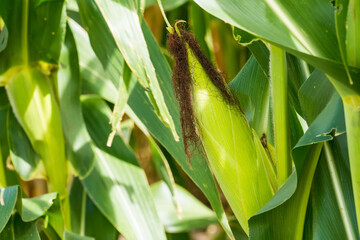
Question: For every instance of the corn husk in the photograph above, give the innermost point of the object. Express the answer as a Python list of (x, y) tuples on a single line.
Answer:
[(238, 160)]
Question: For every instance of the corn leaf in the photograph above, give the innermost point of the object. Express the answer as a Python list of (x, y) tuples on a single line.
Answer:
[(24, 20), (164, 171), (74, 236), (7, 232), (310, 35), (23, 223), (122, 26), (194, 214), (25, 160), (315, 94), (35, 107), (284, 216), (8, 198), (77, 199), (167, 4), (124, 197), (7, 177), (333, 210), (97, 226), (95, 78), (251, 81), (79, 144), (86, 217), (298, 73), (25, 230), (33, 208)]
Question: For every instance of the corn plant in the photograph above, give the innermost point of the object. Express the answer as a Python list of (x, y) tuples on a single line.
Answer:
[(272, 144)]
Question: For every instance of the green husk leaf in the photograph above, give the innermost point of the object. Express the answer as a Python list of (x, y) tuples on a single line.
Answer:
[(230, 150)]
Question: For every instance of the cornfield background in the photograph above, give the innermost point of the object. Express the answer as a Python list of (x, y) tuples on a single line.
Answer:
[(91, 143)]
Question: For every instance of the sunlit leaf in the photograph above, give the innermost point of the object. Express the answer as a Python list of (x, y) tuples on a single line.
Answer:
[(23, 156), (310, 35), (122, 26), (193, 215), (124, 197), (79, 144), (8, 198), (33, 208)]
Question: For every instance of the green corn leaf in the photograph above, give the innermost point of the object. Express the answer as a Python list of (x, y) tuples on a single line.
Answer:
[(77, 199), (333, 210), (24, 20), (33, 208), (25, 230), (163, 169), (74, 236), (97, 226), (26, 162), (7, 232), (124, 184), (29, 210), (86, 218), (252, 82), (35, 107), (79, 144), (123, 27), (315, 94), (310, 36), (126, 85), (298, 73), (95, 78), (194, 213), (284, 215), (7, 177), (8, 198), (167, 4)]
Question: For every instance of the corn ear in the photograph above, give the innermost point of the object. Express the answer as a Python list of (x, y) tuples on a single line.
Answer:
[(230, 146), (33, 102)]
